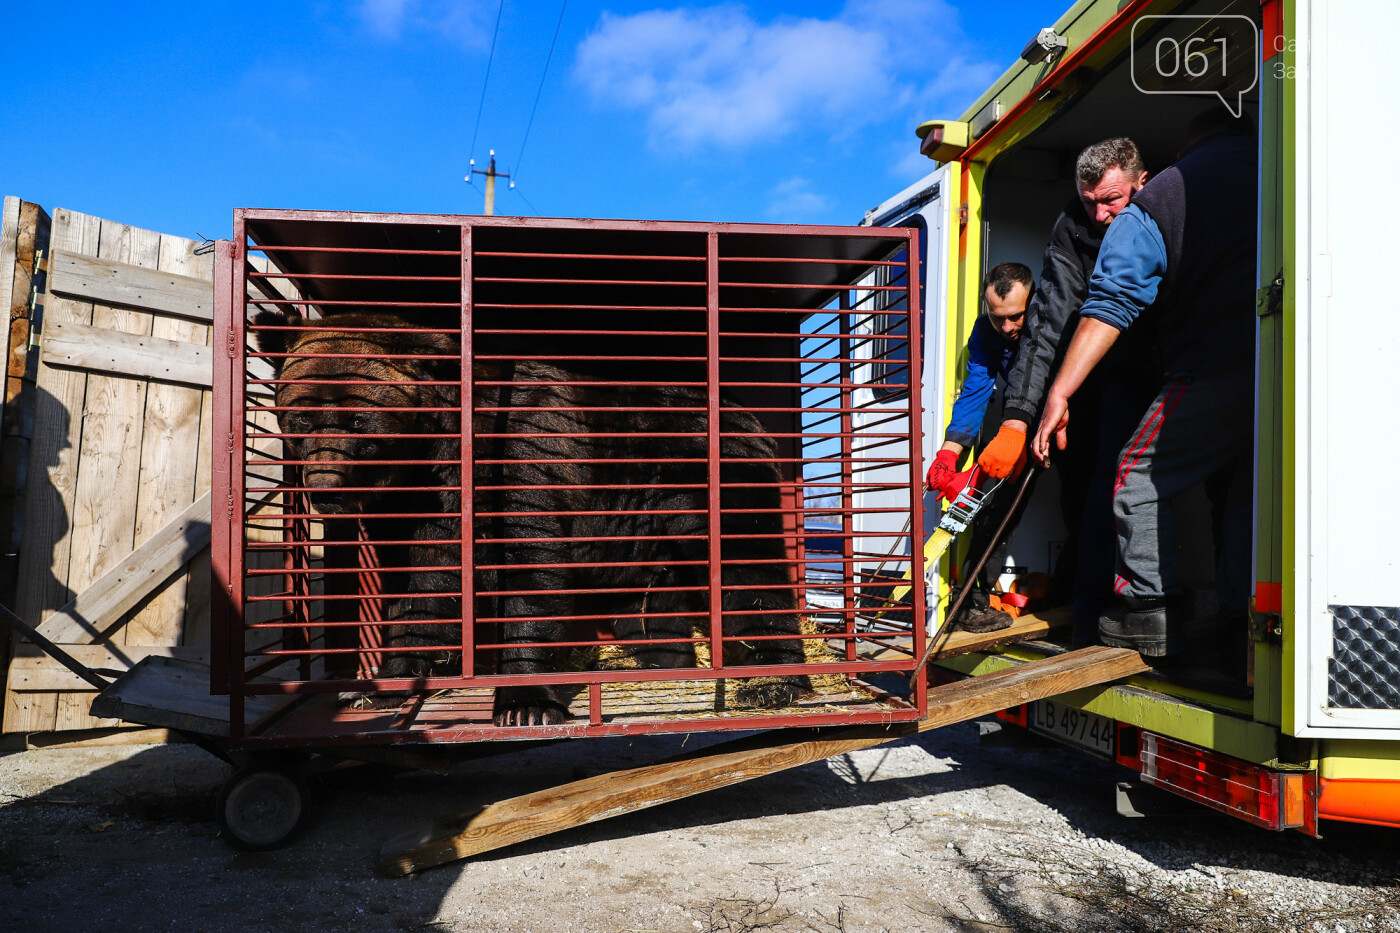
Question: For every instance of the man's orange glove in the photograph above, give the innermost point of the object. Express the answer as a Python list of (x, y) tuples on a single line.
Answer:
[(942, 470), (1006, 454)]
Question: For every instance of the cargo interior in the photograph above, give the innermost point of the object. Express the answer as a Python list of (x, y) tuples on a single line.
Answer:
[(1024, 191)]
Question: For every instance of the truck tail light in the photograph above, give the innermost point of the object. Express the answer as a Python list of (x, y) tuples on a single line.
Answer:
[(1259, 795)]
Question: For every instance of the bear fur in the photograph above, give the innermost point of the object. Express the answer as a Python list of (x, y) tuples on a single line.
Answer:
[(528, 531)]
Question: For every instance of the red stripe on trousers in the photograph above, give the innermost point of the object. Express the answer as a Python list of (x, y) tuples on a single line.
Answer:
[(1136, 450)]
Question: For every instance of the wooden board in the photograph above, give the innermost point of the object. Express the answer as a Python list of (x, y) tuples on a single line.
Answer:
[(30, 243), (88, 738), (533, 815), (112, 352), (9, 251), (53, 471), (32, 670), (174, 694), (91, 614), (117, 283), (1028, 627), (12, 276), (175, 424)]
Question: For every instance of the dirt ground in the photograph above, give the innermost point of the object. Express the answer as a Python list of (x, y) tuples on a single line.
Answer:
[(938, 832)]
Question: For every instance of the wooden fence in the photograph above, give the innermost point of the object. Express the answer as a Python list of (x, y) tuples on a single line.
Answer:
[(113, 560)]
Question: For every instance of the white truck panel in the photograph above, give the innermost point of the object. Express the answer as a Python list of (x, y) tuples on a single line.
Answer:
[(1347, 499)]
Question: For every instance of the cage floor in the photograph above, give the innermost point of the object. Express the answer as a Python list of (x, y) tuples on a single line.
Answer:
[(670, 706)]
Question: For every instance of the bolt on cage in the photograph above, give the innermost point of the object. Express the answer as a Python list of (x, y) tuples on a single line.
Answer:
[(673, 339)]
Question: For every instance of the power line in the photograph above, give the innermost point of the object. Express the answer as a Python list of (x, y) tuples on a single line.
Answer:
[(487, 80), (548, 58), (525, 199)]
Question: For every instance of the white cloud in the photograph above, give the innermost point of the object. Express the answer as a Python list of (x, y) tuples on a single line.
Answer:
[(718, 76), (463, 21), (794, 201), (384, 18)]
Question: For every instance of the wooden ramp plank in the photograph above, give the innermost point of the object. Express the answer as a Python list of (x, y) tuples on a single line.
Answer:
[(174, 694), (1028, 627), (597, 798)]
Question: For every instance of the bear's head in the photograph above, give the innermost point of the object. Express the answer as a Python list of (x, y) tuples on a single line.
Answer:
[(356, 392)]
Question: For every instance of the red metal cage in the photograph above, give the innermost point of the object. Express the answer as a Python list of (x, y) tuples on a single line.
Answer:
[(643, 468)]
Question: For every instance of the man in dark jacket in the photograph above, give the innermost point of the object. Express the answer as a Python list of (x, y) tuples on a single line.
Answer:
[(1185, 248), (1107, 175), (991, 352)]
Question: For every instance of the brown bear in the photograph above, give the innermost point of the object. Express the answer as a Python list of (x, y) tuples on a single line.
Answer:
[(563, 479)]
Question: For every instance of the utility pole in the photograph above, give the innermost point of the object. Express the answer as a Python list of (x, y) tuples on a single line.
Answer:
[(491, 176)]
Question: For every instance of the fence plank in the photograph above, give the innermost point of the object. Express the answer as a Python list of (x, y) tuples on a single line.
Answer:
[(97, 349), (42, 585), (21, 365), (168, 472), (121, 284), (104, 502), (200, 575), (33, 671), (10, 271), (10, 479), (101, 605), (105, 496)]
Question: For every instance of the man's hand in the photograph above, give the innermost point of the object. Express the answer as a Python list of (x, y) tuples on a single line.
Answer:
[(1054, 420), (1004, 455), (942, 471)]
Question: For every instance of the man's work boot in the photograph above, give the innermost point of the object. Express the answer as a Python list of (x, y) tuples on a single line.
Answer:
[(977, 615), (1149, 625)]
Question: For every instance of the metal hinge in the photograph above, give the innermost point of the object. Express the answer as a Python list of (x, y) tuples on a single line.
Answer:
[(1269, 299), (38, 286), (232, 343)]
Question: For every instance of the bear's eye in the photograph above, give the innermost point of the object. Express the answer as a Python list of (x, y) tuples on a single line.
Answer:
[(298, 424), (359, 422)]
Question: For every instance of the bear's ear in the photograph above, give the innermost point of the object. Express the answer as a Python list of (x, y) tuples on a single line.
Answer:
[(444, 363), (449, 345), (275, 341)]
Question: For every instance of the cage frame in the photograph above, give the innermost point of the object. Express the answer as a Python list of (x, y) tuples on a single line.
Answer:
[(321, 723)]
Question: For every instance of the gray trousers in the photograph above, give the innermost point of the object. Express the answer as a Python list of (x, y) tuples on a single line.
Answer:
[(1198, 430)]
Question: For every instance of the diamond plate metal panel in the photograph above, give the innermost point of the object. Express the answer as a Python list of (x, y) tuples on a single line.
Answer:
[(1364, 670)]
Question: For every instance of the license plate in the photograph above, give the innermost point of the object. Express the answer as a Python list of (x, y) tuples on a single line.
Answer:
[(1073, 726)]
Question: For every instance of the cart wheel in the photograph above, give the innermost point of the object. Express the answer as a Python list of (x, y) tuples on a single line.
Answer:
[(261, 808)]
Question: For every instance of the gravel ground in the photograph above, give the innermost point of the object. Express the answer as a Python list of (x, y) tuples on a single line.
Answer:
[(938, 832)]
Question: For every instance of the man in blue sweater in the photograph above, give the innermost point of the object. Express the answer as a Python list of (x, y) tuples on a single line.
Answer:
[(991, 351), (1184, 248)]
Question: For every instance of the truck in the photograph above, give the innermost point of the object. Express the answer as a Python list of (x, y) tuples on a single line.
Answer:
[(1314, 734)]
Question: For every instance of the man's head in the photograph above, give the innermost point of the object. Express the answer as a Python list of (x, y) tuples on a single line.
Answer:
[(1007, 290), (1106, 175)]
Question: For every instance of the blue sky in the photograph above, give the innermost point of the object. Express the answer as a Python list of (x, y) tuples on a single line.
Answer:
[(169, 115)]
